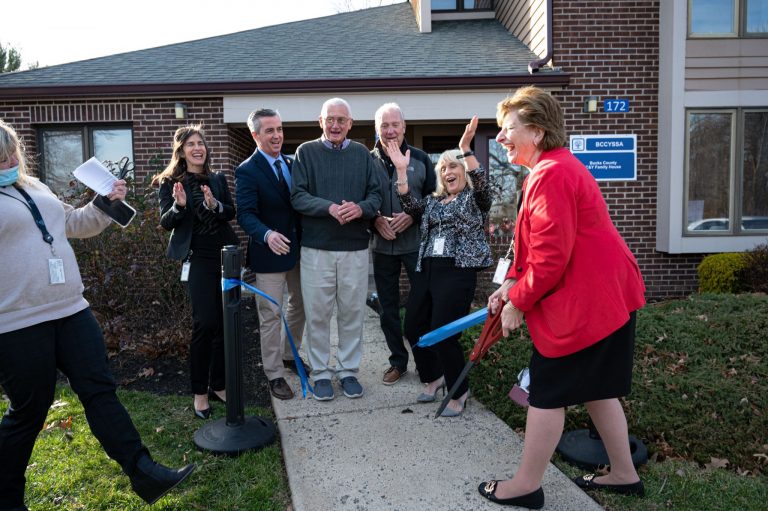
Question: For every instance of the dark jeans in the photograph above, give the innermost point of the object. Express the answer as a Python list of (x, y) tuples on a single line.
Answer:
[(206, 352), (28, 361), (386, 274), (440, 293)]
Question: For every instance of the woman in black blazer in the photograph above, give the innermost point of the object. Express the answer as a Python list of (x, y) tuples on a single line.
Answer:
[(196, 206)]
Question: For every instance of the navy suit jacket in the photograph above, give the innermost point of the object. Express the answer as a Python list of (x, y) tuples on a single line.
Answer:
[(263, 205)]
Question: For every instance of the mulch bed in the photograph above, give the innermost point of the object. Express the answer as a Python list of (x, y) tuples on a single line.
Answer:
[(165, 376)]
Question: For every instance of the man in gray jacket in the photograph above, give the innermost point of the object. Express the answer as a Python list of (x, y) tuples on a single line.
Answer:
[(396, 236), (337, 192)]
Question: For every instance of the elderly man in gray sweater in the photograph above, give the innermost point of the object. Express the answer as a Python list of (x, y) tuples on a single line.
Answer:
[(337, 192)]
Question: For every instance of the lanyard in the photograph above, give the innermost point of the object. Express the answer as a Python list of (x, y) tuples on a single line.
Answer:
[(35, 214)]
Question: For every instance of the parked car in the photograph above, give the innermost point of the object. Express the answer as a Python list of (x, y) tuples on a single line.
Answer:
[(748, 223)]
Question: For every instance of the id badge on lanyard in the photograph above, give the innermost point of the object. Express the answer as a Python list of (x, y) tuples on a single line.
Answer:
[(55, 271), (500, 275)]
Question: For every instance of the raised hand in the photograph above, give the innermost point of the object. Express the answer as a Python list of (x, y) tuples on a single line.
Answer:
[(468, 135), (179, 195), (210, 200), (399, 159)]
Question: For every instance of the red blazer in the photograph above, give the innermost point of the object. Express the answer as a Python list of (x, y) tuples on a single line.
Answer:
[(577, 281)]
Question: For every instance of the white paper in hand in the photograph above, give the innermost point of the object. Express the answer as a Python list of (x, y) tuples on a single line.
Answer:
[(95, 176)]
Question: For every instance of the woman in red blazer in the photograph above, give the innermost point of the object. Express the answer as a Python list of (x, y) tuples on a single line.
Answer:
[(577, 285)]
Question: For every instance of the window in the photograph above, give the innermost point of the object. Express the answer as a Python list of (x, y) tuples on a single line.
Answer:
[(63, 148), (728, 18), (507, 184), (462, 5), (727, 172)]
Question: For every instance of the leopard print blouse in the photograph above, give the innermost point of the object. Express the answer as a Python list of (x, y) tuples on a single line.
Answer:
[(459, 223)]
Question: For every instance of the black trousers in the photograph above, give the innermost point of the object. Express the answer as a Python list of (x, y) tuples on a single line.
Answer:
[(386, 274), (440, 293), (206, 352), (28, 361)]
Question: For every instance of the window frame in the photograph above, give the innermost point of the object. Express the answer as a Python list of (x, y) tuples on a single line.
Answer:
[(460, 8), (739, 25), (735, 177), (86, 136)]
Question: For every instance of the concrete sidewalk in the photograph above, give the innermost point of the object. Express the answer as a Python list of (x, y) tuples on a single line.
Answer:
[(385, 452)]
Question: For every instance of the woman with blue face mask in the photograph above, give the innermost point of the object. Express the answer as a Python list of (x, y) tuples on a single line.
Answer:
[(46, 325)]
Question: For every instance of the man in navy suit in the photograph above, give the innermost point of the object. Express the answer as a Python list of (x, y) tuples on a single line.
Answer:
[(263, 188)]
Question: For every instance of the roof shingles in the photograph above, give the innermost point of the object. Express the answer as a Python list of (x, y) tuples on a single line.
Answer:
[(375, 43)]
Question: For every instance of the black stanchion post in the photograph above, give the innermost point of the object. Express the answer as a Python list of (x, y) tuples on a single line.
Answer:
[(233, 336), (236, 433)]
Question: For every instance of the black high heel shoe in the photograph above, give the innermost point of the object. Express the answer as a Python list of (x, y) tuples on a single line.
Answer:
[(533, 500), (202, 414)]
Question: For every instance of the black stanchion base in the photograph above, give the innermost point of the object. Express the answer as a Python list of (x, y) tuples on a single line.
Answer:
[(586, 451), (219, 438)]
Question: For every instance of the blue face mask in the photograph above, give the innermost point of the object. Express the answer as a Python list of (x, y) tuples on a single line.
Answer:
[(9, 176)]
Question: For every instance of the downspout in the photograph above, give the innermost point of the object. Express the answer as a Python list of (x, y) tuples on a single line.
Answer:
[(535, 65)]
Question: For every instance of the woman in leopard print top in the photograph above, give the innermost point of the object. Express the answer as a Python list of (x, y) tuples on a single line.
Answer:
[(453, 249)]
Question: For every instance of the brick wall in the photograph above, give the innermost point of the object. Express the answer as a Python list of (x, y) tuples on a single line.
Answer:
[(153, 121), (611, 49)]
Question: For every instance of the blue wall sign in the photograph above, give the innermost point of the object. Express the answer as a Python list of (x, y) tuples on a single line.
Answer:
[(607, 157), (616, 105)]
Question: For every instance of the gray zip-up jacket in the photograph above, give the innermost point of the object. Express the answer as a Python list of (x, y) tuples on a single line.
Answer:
[(421, 182)]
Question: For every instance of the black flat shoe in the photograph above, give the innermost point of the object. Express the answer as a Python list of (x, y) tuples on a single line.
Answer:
[(533, 500), (587, 482), (213, 396), (202, 414)]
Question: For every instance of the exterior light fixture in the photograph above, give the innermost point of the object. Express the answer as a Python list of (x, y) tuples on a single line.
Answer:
[(590, 104), (181, 111)]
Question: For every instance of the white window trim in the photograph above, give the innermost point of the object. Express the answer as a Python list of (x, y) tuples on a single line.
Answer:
[(673, 103)]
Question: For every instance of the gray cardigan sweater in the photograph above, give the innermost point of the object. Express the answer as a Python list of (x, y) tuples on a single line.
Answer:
[(324, 176), (26, 297)]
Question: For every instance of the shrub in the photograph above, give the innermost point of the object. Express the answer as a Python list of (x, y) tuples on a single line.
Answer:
[(132, 287), (754, 275), (719, 273)]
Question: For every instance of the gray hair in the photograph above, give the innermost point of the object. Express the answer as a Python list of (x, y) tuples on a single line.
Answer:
[(451, 155), (387, 107), (254, 119), (335, 102)]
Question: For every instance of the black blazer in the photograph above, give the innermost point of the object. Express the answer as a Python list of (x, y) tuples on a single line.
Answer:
[(180, 224), (263, 205)]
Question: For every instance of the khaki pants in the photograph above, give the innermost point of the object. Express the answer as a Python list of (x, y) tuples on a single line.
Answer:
[(329, 277), (274, 342)]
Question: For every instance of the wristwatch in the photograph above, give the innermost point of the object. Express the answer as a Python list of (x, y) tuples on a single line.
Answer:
[(465, 155)]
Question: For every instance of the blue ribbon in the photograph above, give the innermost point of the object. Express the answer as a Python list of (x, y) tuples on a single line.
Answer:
[(227, 284), (454, 327)]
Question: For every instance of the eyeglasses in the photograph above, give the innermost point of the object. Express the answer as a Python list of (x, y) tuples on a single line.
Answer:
[(341, 121)]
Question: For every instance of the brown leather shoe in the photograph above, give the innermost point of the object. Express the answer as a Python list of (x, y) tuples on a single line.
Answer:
[(392, 375), (280, 389)]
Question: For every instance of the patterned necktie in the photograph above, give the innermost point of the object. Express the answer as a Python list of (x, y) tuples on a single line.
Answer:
[(280, 175)]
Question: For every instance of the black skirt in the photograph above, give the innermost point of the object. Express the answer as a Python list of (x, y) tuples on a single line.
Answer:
[(601, 371)]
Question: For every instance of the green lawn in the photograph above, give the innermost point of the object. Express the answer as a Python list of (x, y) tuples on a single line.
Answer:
[(69, 470), (698, 402), (699, 396)]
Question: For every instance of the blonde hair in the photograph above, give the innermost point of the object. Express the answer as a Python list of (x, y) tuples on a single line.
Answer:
[(536, 108), (451, 155), (11, 144), (177, 167)]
